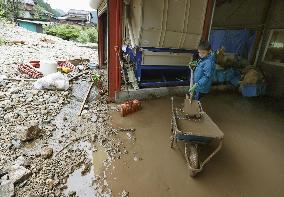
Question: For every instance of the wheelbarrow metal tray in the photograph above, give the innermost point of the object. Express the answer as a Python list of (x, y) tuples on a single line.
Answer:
[(203, 127)]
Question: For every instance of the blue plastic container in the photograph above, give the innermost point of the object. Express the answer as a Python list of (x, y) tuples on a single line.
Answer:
[(253, 90)]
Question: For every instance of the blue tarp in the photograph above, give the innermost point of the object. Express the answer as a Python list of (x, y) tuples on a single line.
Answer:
[(234, 41), (230, 75)]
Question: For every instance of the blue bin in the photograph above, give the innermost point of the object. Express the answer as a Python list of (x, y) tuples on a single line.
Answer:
[(253, 90)]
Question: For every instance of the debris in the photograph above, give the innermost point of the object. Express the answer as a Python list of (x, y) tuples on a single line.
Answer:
[(94, 118), (126, 130), (136, 158), (16, 143), (86, 168), (252, 76), (30, 133), (124, 194), (52, 81), (29, 70), (71, 142), (3, 78), (130, 107), (76, 76), (51, 183), (66, 65), (85, 99), (44, 39), (47, 153), (129, 135), (72, 194), (17, 42), (35, 63)]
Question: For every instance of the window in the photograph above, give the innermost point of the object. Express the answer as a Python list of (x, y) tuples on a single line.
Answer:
[(274, 52)]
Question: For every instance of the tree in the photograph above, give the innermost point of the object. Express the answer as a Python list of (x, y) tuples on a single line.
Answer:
[(11, 8), (38, 12)]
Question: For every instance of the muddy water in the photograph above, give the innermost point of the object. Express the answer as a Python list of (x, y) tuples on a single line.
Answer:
[(249, 164), (82, 185)]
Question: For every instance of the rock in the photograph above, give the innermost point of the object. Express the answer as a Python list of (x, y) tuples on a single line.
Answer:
[(50, 183), (16, 143), (7, 189), (18, 174), (30, 133), (94, 118), (124, 193), (86, 168), (20, 161), (47, 153), (72, 194)]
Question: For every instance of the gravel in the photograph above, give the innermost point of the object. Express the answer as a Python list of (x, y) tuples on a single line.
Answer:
[(51, 153)]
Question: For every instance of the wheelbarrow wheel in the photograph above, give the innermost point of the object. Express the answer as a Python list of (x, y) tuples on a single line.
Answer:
[(191, 155)]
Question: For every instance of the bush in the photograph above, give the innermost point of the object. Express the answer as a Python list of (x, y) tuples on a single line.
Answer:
[(88, 35), (66, 32), (72, 32)]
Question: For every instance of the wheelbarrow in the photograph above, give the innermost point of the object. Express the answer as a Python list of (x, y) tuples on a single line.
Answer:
[(195, 130)]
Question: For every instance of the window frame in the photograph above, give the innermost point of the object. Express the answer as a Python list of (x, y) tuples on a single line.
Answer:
[(266, 49)]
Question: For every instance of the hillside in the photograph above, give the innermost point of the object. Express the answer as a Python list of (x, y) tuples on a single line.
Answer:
[(46, 6)]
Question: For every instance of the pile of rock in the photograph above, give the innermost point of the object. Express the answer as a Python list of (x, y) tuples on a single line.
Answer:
[(41, 128)]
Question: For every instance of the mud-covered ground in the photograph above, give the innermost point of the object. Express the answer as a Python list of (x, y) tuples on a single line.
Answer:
[(46, 148), (102, 154), (250, 162)]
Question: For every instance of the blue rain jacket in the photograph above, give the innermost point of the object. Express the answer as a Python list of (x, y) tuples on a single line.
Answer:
[(204, 73)]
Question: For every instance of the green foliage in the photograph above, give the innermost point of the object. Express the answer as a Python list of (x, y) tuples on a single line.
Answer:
[(2, 11), (10, 9), (38, 12), (88, 35), (73, 32), (65, 31), (96, 77)]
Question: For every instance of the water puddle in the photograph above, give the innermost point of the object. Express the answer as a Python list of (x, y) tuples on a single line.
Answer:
[(82, 185), (99, 157), (86, 185)]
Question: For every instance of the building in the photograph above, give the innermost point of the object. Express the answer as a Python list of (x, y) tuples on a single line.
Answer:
[(28, 8), (155, 28), (76, 16), (31, 25)]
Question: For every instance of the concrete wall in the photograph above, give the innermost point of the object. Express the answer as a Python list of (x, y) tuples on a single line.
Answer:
[(251, 14)]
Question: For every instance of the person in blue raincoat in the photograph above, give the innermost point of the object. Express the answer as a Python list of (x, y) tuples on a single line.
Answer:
[(204, 71)]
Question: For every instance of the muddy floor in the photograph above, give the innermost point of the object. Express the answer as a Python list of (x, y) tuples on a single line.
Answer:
[(249, 164)]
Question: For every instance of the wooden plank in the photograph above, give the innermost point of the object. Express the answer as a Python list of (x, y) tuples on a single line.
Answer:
[(85, 99)]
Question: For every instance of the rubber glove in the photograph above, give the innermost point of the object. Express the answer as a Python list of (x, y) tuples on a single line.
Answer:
[(192, 89), (192, 64)]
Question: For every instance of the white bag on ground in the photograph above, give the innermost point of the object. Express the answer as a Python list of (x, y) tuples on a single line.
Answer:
[(56, 81)]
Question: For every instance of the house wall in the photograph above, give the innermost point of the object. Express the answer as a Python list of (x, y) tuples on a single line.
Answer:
[(274, 73), (29, 26)]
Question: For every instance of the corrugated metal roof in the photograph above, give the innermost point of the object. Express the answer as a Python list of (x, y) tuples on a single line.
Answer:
[(35, 22), (78, 12)]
